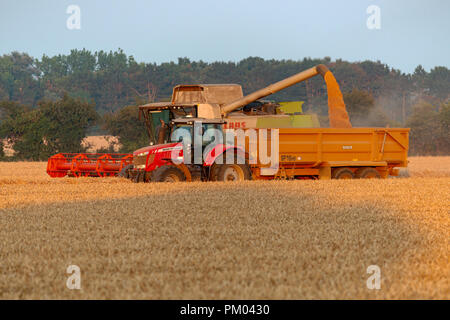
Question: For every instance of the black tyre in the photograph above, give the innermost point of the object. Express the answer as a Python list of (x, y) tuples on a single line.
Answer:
[(342, 173), (233, 172), (213, 172), (367, 173), (125, 172), (167, 174), (138, 177)]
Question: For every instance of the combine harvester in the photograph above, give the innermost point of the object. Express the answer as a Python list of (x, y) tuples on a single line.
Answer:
[(305, 149)]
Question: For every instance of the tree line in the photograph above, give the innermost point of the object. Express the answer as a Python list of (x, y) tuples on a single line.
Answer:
[(71, 94)]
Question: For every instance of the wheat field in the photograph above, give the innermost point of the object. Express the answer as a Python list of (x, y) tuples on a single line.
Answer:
[(252, 240)]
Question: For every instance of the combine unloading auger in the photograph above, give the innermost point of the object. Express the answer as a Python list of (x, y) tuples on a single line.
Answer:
[(336, 107)]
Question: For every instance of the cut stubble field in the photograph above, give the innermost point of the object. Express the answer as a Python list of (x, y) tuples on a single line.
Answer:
[(252, 240)]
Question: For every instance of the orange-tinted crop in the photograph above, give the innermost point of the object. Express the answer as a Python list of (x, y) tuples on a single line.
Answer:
[(337, 112)]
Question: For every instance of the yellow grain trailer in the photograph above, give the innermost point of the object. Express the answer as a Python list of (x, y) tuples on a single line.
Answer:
[(339, 153)]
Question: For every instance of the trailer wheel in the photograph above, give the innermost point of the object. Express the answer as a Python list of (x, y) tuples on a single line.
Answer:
[(342, 173), (367, 173), (234, 172), (125, 172), (167, 173)]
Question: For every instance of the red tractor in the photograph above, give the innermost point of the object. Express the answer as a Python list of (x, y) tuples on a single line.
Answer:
[(179, 160)]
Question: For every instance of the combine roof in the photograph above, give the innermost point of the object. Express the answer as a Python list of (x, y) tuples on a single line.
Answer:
[(165, 105), (191, 95)]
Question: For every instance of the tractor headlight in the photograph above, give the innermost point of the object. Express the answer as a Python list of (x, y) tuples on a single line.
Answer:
[(142, 154), (140, 160)]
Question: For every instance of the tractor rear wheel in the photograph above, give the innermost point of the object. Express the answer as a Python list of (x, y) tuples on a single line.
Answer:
[(167, 174), (342, 173), (367, 173)]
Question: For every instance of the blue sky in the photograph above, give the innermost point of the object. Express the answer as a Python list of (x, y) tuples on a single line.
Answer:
[(412, 32)]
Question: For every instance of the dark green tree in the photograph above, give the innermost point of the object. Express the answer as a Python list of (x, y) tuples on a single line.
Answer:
[(50, 128), (19, 78), (429, 130), (360, 104), (444, 129), (66, 123), (125, 124), (438, 83)]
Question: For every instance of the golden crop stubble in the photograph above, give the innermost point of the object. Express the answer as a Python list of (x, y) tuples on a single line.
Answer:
[(23, 183), (278, 239), (429, 166)]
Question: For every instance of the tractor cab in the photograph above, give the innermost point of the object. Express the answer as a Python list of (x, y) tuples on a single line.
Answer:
[(195, 135), (188, 149)]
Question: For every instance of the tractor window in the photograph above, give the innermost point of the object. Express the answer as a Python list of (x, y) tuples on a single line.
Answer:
[(154, 120), (180, 131), (210, 136)]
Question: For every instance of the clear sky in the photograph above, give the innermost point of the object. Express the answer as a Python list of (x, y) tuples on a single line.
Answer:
[(412, 32)]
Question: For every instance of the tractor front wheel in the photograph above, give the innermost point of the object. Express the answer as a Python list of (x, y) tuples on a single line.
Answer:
[(125, 172), (167, 174)]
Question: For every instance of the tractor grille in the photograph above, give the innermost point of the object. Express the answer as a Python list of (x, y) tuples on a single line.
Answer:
[(139, 162)]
